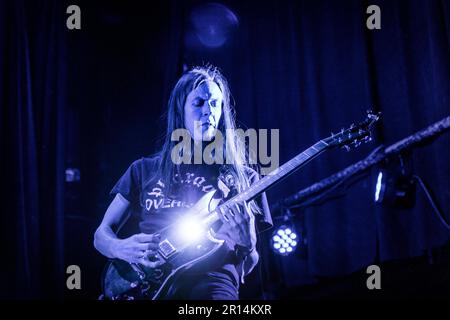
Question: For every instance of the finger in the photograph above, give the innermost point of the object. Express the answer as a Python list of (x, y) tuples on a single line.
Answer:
[(146, 238), (246, 215), (236, 215), (142, 246), (245, 206), (137, 258), (229, 210), (152, 246), (233, 217), (147, 246), (223, 215), (132, 260), (150, 264), (151, 254), (143, 249), (250, 215), (242, 210), (237, 208), (247, 210)]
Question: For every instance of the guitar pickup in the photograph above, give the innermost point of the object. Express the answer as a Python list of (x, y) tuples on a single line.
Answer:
[(166, 249)]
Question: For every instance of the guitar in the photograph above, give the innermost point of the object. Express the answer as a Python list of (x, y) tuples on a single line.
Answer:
[(179, 251)]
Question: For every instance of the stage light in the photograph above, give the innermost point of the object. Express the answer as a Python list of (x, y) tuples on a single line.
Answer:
[(72, 175), (212, 24), (394, 188), (378, 186), (282, 240)]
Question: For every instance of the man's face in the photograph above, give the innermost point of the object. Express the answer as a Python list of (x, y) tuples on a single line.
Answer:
[(202, 111)]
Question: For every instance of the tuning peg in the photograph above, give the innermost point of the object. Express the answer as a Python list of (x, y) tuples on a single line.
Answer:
[(373, 116), (346, 147), (356, 143), (352, 126), (367, 139)]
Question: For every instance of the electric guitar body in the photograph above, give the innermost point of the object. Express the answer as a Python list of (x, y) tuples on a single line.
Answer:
[(125, 281)]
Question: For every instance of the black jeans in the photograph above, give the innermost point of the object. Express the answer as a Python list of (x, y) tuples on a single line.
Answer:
[(209, 286)]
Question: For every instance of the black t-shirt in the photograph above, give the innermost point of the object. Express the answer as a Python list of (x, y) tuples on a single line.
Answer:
[(156, 207)]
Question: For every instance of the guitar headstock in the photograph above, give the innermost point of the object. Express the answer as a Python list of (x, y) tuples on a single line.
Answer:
[(354, 135)]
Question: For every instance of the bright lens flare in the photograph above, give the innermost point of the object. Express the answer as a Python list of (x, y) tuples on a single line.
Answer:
[(189, 229)]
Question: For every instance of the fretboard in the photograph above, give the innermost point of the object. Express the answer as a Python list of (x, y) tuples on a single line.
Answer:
[(271, 179)]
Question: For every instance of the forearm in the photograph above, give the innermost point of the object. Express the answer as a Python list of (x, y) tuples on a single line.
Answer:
[(104, 241), (250, 262)]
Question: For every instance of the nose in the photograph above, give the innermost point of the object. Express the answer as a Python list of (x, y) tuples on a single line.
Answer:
[(207, 107)]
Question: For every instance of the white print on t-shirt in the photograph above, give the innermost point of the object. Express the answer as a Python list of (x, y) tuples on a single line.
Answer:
[(157, 200), (197, 182), (157, 192), (165, 203)]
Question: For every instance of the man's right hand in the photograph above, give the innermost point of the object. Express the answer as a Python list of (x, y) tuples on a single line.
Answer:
[(137, 249)]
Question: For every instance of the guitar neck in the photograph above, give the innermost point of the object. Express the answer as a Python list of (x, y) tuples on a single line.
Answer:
[(270, 180)]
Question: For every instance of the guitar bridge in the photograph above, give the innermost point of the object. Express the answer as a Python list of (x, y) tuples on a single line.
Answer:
[(166, 249)]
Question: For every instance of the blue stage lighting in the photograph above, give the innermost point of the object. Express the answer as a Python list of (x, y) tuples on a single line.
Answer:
[(213, 24), (282, 240), (395, 188), (379, 187)]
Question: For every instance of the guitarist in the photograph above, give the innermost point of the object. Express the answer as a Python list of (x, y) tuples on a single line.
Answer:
[(157, 191)]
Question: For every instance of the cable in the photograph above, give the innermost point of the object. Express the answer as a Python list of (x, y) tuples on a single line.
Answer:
[(433, 204)]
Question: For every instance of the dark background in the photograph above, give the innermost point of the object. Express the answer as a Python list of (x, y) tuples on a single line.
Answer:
[(93, 98)]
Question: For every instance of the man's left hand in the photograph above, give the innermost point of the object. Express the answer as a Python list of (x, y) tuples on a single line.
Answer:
[(238, 225)]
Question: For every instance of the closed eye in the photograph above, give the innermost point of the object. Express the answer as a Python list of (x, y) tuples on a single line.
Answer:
[(198, 102)]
